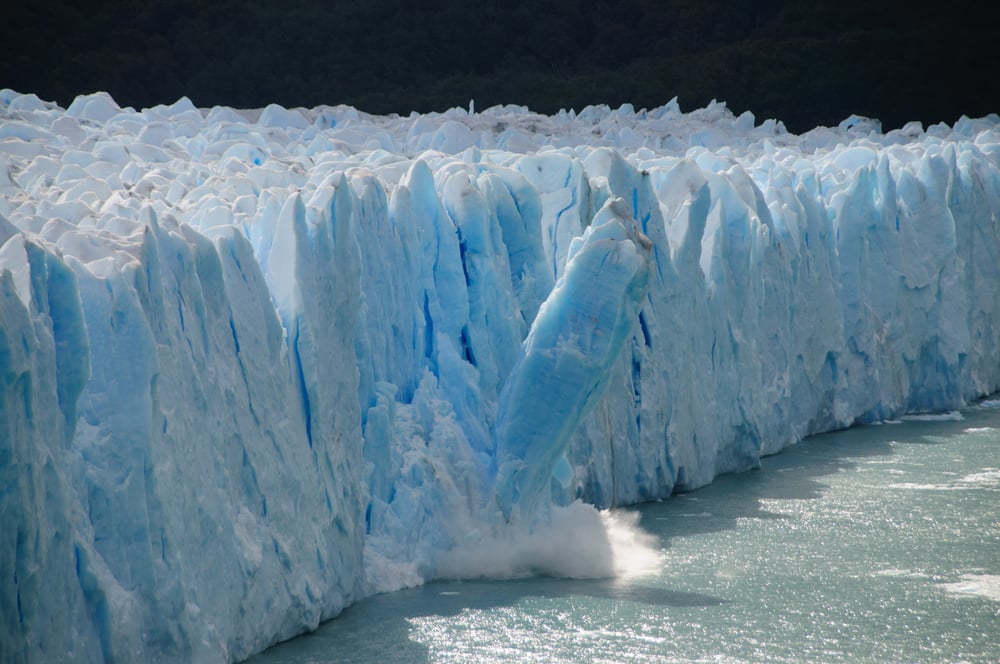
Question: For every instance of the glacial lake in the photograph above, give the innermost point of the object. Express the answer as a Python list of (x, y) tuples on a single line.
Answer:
[(876, 544)]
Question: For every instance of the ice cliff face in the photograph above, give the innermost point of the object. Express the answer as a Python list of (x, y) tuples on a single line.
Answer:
[(256, 365)]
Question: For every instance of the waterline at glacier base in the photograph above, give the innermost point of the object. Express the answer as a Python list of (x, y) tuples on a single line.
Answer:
[(873, 544)]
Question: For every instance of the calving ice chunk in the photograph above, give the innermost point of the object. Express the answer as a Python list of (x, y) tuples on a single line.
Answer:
[(256, 365), (566, 360)]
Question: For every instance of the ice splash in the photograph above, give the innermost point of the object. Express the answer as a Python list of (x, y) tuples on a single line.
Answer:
[(635, 552), (577, 542)]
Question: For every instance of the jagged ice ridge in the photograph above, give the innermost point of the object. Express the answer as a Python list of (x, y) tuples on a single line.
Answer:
[(256, 365)]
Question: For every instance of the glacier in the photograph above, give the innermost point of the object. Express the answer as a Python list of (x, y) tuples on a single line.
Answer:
[(258, 364)]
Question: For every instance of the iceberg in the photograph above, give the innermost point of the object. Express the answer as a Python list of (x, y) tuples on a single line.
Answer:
[(257, 365)]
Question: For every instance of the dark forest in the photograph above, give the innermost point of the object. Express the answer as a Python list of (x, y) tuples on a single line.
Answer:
[(805, 63)]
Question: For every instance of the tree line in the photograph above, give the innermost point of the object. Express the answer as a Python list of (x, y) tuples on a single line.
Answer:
[(805, 63)]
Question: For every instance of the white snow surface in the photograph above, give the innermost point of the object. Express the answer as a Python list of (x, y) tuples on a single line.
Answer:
[(256, 365)]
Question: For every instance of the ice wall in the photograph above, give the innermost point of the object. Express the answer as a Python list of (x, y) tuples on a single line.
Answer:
[(256, 365)]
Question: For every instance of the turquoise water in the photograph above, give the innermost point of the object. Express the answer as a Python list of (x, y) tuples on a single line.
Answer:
[(876, 544)]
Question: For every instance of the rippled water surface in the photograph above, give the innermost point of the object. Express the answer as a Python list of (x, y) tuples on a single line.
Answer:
[(877, 544)]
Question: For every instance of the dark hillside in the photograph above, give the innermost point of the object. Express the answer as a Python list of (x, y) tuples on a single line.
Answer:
[(805, 63)]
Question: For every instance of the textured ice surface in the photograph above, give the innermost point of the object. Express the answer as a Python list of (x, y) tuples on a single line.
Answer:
[(258, 364)]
